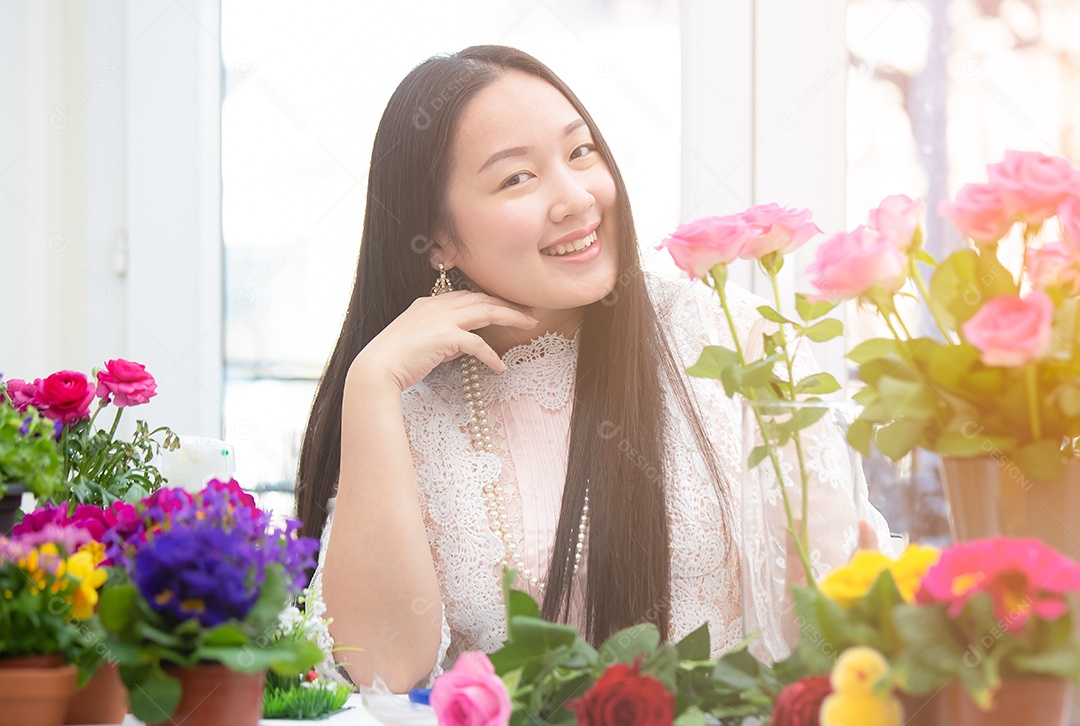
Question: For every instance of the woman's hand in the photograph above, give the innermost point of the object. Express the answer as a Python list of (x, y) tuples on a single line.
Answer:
[(434, 330)]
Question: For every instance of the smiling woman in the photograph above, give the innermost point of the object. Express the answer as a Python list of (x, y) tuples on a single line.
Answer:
[(531, 420)]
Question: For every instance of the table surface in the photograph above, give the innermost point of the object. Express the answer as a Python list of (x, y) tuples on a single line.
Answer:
[(361, 711)]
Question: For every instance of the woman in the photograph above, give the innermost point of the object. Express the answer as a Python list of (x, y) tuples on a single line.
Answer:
[(544, 422)]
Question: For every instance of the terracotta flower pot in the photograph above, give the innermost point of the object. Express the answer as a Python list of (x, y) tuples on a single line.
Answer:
[(34, 691), (1042, 701), (928, 710), (213, 695), (103, 700)]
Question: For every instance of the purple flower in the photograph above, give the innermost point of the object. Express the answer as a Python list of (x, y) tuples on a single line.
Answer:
[(179, 580), (25, 428)]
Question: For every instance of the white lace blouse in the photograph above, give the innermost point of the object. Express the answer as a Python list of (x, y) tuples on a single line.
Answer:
[(530, 406)]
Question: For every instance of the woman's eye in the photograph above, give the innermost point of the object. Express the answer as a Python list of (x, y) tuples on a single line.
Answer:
[(512, 181), (575, 155)]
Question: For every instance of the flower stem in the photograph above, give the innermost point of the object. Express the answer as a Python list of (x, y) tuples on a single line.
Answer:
[(1031, 378), (804, 558), (916, 275)]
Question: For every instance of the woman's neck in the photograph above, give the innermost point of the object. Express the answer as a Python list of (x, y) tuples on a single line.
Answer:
[(563, 322)]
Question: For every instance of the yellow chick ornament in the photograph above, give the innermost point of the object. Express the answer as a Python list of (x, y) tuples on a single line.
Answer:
[(858, 698)]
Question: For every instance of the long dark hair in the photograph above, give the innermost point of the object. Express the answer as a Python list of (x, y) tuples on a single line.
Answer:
[(619, 421)]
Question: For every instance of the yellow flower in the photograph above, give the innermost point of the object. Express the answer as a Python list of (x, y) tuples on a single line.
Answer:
[(852, 581), (909, 569), (81, 569), (96, 551)]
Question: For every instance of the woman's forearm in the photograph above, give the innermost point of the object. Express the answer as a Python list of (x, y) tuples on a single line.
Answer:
[(379, 580)]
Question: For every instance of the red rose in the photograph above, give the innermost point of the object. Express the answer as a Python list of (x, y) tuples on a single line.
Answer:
[(625, 697), (800, 703), (65, 397), (127, 381)]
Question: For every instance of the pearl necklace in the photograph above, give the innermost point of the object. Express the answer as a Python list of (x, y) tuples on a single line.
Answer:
[(494, 498)]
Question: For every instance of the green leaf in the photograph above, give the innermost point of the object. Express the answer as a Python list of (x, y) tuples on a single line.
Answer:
[(757, 455), (692, 716), (538, 635), (771, 314), (966, 443), (225, 634), (712, 363), (1040, 460), (263, 615), (153, 694), (896, 439), (625, 645), (811, 310), (696, 645), (1059, 662), (115, 607), (929, 637), (907, 399), (824, 330), (858, 435), (818, 384)]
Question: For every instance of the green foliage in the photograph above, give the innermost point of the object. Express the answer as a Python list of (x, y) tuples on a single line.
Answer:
[(142, 642), (291, 699), (28, 451), (544, 665)]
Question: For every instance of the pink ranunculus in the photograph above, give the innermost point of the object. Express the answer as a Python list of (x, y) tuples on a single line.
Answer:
[(38, 519), (1069, 218), (470, 694), (1012, 331), (1053, 266), (22, 393), (979, 212), (127, 381), (700, 245), (897, 218), (772, 228), (851, 264), (1033, 184), (233, 487), (1023, 576), (65, 397)]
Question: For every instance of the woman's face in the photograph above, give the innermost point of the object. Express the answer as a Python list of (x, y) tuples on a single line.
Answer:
[(527, 182)]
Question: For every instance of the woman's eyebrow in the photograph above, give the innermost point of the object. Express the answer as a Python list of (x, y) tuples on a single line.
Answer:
[(522, 150)]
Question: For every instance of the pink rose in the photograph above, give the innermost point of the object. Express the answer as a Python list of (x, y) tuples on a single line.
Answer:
[(772, 228), (852, 264), (979, 212), (127, 381), (1069, 218), (1033, 184), (22, 393), (470, 694), (65, 397), (1054, 266), (897, 218), (700, 245), (1012, 331)]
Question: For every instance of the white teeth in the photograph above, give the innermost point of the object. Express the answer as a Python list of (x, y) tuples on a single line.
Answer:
[(575, 246)]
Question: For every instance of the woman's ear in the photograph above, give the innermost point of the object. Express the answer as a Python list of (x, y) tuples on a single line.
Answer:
[(441, 253)]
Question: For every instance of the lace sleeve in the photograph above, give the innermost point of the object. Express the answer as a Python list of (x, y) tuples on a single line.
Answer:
[(316, 581)]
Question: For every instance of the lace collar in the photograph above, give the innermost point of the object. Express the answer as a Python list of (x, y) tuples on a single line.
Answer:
[(543, 368)]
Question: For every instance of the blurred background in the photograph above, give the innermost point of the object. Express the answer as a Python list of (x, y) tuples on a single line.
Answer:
[(183, 182)]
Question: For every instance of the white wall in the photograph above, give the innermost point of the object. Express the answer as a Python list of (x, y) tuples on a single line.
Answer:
[(110, 196)]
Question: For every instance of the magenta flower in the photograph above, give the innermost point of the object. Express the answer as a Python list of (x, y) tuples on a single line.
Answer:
[(127, 382), (1024, 577), (22, 393), (65, 397), (470, 694)]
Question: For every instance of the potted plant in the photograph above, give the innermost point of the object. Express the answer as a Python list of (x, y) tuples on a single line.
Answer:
[(29, 459), (97, 466), (49, 583), (996, 390), (993, 622), (208, 576), (101, 697)]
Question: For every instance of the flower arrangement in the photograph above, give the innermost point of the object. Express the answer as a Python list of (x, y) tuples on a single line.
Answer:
[(319, 692), (208, 576), (1002, 375), (96, 466), (546, 673), (49, 582), (764, 234), (28, 453), (990, 610)]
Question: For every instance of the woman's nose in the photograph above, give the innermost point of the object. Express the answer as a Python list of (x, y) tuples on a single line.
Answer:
[(572, 197)]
